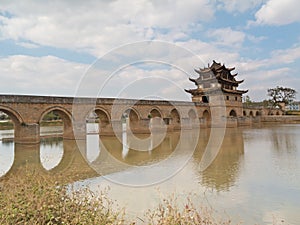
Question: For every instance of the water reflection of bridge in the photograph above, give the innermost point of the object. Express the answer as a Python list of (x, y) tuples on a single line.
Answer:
[(75, 161), (110, 156)]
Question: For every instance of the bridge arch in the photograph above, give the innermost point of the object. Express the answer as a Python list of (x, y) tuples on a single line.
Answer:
[(206, 115), (60, 110), (192, 114), (132, 114), (98, 115), (175, 116), (66, 117), (155, 112), (14, 115), (103, 115)]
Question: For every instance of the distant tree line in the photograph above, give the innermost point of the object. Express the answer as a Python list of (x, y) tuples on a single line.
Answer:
[(51, 116), (277, 96)]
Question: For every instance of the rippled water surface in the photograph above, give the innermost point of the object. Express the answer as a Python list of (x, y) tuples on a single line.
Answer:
[(254, 178)]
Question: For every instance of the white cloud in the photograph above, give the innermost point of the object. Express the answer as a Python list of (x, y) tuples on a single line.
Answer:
[(256, 39), (45, 75), (270, 72), (207, 52), (238, 5), (280, 57), (258, 81), (227, 37), (278, 12), (27, 45), (97, 26), (286, 56)]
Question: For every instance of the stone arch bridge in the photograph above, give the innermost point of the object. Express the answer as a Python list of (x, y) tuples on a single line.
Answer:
[(27, 112)]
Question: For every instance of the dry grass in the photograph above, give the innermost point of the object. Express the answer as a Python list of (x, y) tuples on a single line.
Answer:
[(35, 199), (169, 212)]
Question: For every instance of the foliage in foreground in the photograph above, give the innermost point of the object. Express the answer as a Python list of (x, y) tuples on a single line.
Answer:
[(168, 212), (35, 199)]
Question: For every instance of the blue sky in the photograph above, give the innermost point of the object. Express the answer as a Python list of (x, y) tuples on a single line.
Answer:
[(47, 47)]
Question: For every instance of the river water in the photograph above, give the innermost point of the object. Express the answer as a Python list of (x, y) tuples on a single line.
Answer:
[(254, 178)]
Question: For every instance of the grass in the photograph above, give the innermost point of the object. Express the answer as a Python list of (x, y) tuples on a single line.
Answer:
[(169, 212), (52, 123), (38, 199), (6, 125)]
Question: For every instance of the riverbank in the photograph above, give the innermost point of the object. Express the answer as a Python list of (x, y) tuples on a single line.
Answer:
[(9, 124), (6, 125), (280, 119)]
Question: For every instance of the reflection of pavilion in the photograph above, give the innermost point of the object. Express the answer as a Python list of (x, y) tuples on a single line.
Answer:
[(223, 171)]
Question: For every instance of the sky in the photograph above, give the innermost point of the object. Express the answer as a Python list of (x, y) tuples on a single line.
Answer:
[(51, 47)]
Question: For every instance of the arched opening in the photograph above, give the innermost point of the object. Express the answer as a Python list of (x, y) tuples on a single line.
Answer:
[(55, 125), (206, 115), (277, 113), (56, 122), (232, 113), (6, 122), (7, 151), (51, 124), (9, 118), (251, 114), (133, 117), (175, 116), (192, 114), (192, 117), (101, 117), (257, 113), (155, 113), (244, 113)]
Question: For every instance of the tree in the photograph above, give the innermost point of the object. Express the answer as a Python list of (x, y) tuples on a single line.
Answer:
[(3, 116), (246, 99), (281, 95)]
